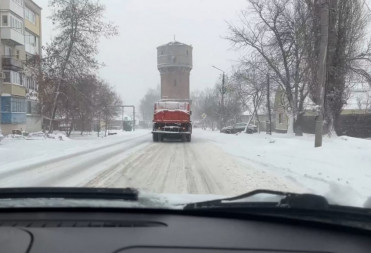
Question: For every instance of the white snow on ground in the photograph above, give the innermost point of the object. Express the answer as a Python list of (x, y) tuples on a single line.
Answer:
[(20, 151), (199, 167), (340, 169), (213, 163)]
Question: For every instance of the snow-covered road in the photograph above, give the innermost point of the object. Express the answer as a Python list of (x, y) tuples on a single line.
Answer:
[(199, 167), (213, 163), (74, 167)]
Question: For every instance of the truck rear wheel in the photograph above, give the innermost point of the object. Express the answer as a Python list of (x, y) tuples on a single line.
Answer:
[(189, 138), (155, 137)]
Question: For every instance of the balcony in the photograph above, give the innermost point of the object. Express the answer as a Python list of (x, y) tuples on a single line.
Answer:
[(13, 118), (12, 35), (11, 63), (14, 6), (14, 89), (13, 110)]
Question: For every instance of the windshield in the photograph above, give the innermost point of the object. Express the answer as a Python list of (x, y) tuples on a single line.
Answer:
[(187, 101)]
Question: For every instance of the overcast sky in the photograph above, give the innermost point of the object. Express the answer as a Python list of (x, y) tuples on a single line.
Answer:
[(130, 58)]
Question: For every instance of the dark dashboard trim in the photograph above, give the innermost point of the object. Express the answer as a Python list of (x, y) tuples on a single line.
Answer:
[(217, 249), (294, 221)]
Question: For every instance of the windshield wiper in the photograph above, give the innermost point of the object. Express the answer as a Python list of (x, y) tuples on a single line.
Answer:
[(286, 205), (287, 200), (129, 194)]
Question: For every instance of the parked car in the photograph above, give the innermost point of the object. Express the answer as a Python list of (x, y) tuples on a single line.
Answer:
[(239, 127), (226, 129)]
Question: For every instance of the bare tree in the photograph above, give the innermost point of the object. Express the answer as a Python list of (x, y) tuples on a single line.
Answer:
[(348, 53), (233, 106), (206, 106), (273, 29), (147, 103), (71, 53), (106, 104), (84, 101), (250, 80)]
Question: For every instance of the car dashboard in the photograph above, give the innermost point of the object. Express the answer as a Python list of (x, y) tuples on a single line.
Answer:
[(114, 231)]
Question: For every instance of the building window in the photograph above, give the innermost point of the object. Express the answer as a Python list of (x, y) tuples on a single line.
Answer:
[(31, 43), (7, 77), (16, 24), (4, 20), (12, 77), (13, 110), (32, 107), (30, 15), (18, 104), (29, 83), (5, 104), (8, 51), (280, 118)]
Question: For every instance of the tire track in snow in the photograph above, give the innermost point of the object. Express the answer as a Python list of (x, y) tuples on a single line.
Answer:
[(126, 170), (169, 169), (190, 177), (199, 167)]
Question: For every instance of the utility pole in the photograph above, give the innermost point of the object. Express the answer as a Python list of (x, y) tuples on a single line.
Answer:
[(222, 102), (223, 91), (269, 131), (321, 73), (133, 118), (122, 117)]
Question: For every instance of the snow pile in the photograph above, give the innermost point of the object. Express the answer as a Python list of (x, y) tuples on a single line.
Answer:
[(35, 149), (58, 136), (340, 170)]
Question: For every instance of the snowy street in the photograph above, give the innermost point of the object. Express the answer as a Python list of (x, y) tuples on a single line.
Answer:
[(199, 167), (212, 163)]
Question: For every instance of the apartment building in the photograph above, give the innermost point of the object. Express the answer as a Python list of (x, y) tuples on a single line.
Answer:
[(20, 33)]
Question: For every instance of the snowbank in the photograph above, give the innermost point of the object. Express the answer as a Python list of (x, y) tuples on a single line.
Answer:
[(340, 170), (35, 149)]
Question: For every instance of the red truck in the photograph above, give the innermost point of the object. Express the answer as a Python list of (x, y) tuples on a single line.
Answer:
[(172, 119)]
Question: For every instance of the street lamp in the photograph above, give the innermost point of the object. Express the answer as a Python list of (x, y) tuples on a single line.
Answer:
[(223, 91)]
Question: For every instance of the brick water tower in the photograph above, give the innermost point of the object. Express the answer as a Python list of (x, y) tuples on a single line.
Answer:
[(174, 61)]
